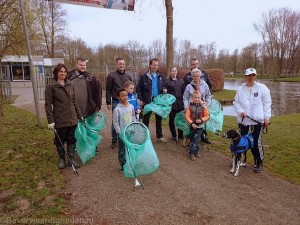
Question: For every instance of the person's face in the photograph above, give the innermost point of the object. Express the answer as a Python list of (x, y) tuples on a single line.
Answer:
[(123, 97), (196, 98), (130, 89), (173, 73), (250, 79), (194, 64), (196, 78), (62, 74), (154, 66), (121, 65), (81, 66)]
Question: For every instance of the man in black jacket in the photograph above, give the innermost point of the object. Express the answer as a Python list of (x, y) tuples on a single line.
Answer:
[(87, 88), (149, 86), (115, 81), (188, 78)]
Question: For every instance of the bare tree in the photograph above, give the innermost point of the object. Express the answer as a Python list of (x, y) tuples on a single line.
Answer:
[(49, 17), (11, 39), (280, 31)]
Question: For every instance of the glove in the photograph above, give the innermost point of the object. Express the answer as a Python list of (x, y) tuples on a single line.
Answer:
[(51, 126)]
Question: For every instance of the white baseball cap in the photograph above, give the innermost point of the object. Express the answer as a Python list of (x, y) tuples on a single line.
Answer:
[(250, 71)]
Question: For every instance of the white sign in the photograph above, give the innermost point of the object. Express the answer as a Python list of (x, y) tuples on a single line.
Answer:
[(107, 4)]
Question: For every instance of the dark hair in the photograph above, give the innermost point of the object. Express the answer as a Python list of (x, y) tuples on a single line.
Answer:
[(120, 90), (151, 60), (81, 59), (57, 68), (119, 58)]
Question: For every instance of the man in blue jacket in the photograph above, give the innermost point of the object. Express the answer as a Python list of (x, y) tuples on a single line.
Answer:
[(149, 86)]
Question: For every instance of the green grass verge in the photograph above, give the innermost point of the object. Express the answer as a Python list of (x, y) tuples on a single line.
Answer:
[(30, 182)]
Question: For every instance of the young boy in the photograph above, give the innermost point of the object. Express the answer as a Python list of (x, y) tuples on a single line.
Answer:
[(123, 114), (132, 98), (196, 115)]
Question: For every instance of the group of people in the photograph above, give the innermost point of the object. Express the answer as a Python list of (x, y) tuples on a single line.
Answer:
[(81, 93)]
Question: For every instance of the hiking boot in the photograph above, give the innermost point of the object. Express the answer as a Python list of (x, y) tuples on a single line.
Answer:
[(61, 154), (259, 166), (192, 156), (71, 150), (113, 144), (197, 154), (162, 140)]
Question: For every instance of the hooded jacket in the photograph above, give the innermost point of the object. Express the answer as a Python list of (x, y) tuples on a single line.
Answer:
[(60, 105)]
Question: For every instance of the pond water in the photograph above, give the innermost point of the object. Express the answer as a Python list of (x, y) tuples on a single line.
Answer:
[(285, 96)]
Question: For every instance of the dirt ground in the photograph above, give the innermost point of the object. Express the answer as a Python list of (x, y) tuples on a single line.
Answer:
[(181, 191)]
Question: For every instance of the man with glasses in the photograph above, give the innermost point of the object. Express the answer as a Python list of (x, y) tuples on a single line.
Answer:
[(187, 79), (252, 103)]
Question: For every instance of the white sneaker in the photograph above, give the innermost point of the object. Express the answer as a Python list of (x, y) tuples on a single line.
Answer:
[(162, 140)]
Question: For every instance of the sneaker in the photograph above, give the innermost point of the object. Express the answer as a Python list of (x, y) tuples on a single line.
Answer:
[(162, 140), (197, 154), (113, 144), (192, 156), (206, 140), (259, 167)]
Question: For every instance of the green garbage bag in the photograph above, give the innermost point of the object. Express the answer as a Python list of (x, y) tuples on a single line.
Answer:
[(161, 105), (88, 137), (216, 117), (140, 154), (96, 121), (181, 123), (85, 146)]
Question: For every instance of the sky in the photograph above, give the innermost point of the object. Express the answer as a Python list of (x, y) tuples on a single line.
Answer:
[(228, 23)]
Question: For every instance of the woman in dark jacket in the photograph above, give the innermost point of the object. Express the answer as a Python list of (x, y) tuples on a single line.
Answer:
[(62, 113), (174, 87)]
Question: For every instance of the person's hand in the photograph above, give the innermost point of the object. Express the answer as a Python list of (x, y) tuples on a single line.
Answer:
[(142, 103), (82, 119), (266, 123), (199, 121), (109, 107), (194, 126), (138, 111), (97, 109), (243, 114), (51, 126), (165, 90)]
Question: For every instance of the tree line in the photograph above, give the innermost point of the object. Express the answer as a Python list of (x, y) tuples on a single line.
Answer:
[(277, 55)]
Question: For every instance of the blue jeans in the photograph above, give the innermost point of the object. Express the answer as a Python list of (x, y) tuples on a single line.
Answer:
[(195, 137)]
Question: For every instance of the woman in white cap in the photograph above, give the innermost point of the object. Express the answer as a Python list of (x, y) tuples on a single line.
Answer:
[(252, 103)]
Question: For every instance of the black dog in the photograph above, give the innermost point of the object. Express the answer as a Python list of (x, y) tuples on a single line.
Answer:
[(238, 147)]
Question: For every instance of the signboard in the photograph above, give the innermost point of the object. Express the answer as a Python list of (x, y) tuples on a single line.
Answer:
[(127, 5)]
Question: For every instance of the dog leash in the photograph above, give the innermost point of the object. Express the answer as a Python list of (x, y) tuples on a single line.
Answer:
[(265, 129)]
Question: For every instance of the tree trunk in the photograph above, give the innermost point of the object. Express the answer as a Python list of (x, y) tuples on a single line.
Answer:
[(169, 35)]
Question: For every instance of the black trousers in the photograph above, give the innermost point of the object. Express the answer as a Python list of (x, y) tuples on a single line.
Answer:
[(158, 123), (66, 135), (172, 124), (257, 151)]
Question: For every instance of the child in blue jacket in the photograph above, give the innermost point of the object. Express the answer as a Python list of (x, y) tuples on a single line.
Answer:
[(132, 98)]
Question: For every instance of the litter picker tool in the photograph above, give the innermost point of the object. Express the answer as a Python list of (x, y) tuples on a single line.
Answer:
[(74, 169)]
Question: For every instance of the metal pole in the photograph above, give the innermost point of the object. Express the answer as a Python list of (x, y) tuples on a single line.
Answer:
[(32, 77)]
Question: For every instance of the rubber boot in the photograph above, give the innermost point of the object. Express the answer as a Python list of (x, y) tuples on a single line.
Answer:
[(71, 150), (61, 154)]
